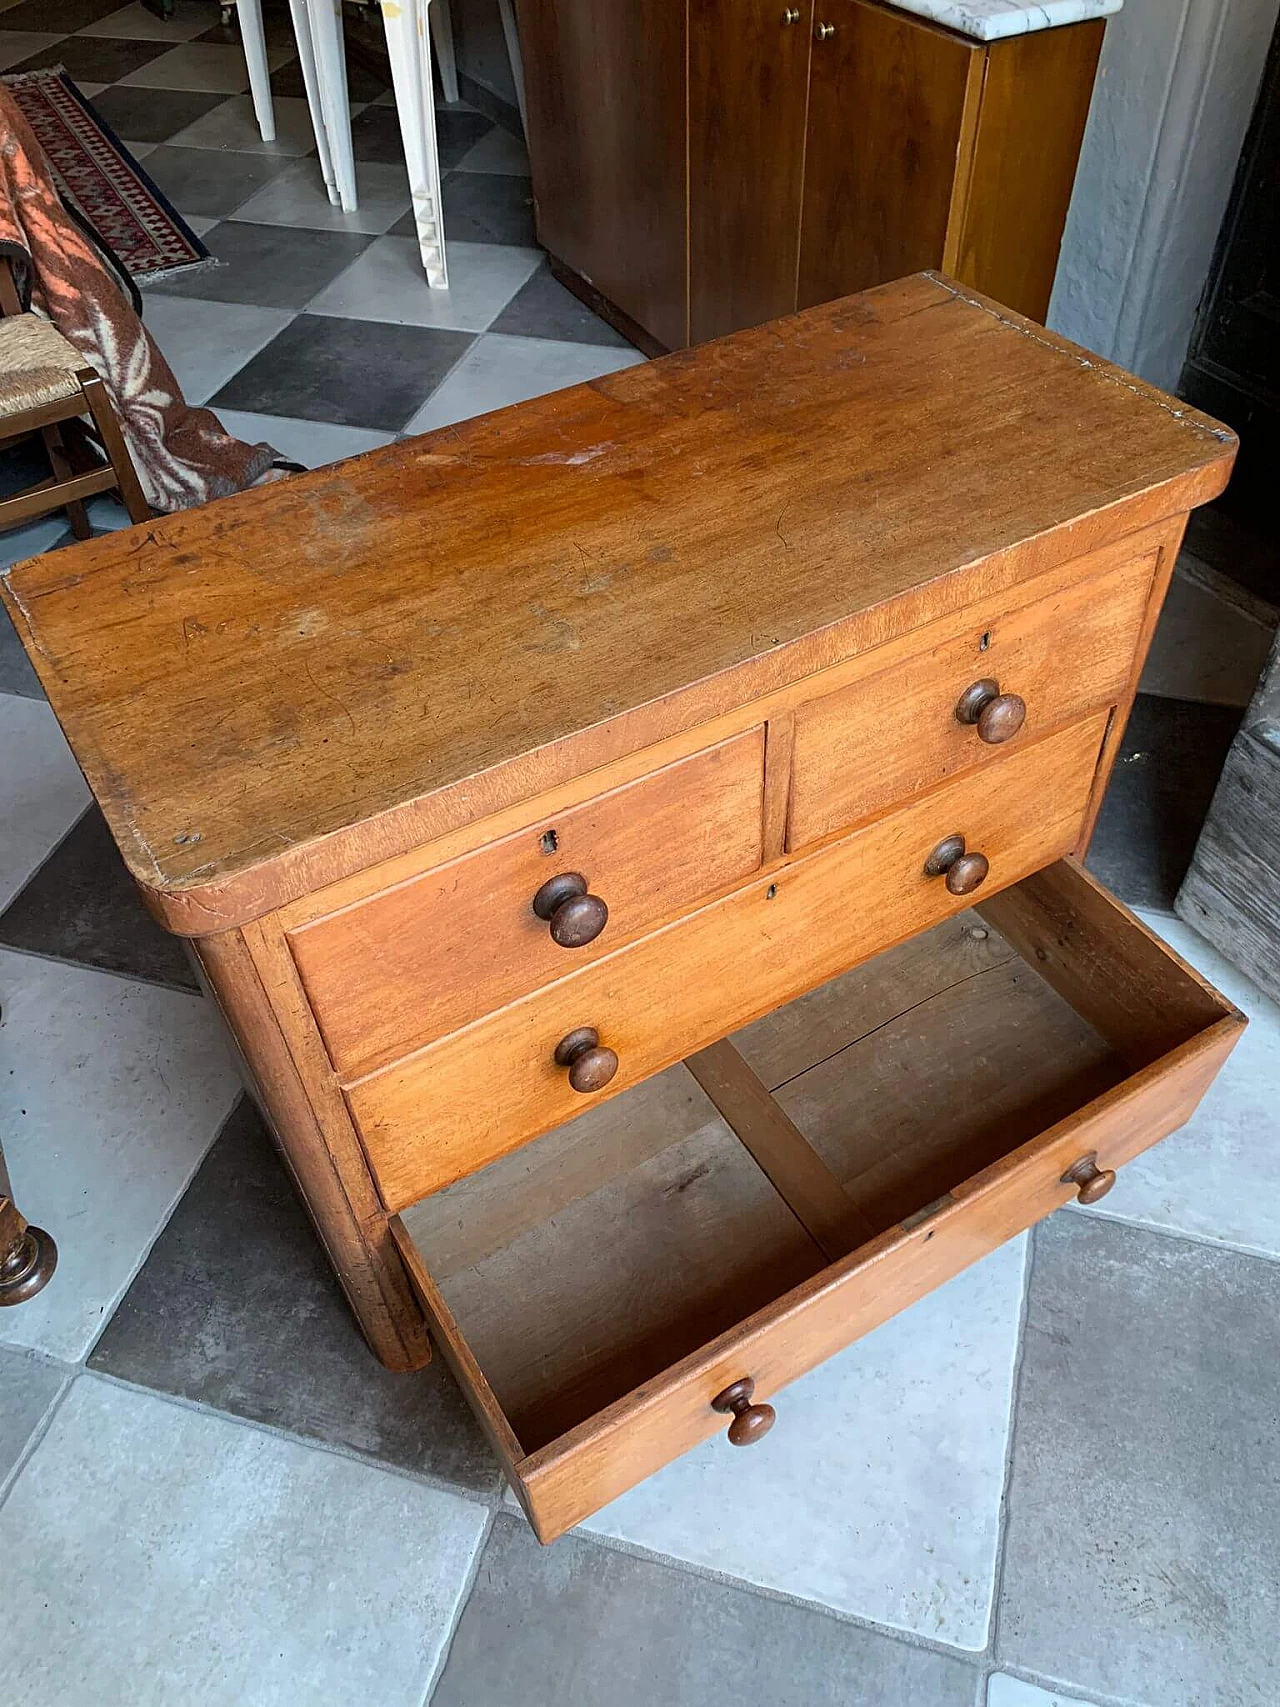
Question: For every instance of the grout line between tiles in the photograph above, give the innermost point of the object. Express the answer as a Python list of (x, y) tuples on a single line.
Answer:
[(1015, 1398), (460, 1606), (689, 1567), (334, 1449), (38, 1432), (1059, 1686)]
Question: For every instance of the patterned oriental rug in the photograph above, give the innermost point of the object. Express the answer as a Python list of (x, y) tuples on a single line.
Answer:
[(98, 174)]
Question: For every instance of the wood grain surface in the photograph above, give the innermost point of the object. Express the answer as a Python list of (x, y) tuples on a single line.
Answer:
[(288, 685)]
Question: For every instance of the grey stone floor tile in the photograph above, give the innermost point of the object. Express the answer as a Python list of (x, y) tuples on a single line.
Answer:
[(27, 1389), (545, 309), (375, 135), (210, 181), (17, 673), (576, 1625), (1143, 1544), (237, 1307), (173, 1556), (362, 83), (484, 207), (85, 58), (356, 373), (1170, 759), (271, 266), (1006, 1691), (66, 15), (83, 906), (153, 115)]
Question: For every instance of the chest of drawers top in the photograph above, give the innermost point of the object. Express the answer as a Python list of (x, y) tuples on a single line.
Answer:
[(285, 687)]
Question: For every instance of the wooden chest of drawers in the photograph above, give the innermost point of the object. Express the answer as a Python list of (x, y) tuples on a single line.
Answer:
[(634, 839)]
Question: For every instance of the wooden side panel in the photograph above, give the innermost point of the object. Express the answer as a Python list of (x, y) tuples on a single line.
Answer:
[(748, 71), (892, 735), (619, 1447), (423, 958), (324, 1158), (466, 1100), (1035, 102), (887, 103), (605, 90)]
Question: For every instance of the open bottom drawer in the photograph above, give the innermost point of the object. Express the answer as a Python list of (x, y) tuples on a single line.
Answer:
[(752, 1211)]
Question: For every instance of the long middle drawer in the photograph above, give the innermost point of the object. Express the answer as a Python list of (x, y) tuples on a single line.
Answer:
[(459, 1103)]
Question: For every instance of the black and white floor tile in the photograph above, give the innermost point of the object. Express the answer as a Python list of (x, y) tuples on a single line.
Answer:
[(1053, 1482)]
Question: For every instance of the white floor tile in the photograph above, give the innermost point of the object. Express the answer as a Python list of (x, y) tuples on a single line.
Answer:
[(1006, 1691), (41, 790), (312, 443), (499, 151), (17, 45), (878, 1492), (1219, 1177), (199, 223), (136, 23), (232, 125), (298, 197), (1206, 647), (498, 370), (202, 65), (387, 283), (111, 1093), (206, 342), (169, 1555)]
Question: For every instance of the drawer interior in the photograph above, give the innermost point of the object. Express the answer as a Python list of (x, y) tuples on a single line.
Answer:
[(586, 1263)]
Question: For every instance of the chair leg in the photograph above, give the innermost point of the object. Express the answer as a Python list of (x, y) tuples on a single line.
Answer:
[(511, 35), (409, 50), (331, 71), (104, 419), (442, 41), (254, 41), (77, 515), (311, 83)]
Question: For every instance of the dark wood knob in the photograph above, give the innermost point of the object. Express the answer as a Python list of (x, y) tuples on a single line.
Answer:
[(1093, 1182), (575, 917), (963, 871), (750, 1422), (590, 1064), (997, 716)]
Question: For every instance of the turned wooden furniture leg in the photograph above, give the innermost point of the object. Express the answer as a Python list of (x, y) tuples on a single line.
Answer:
[(323, 1154), (28, 1255), (104, 419)]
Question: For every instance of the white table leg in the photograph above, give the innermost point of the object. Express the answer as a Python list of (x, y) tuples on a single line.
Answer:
[(254, 41), (409, 49), (311, 83), (442, 40), (512, 37), (331, 72)]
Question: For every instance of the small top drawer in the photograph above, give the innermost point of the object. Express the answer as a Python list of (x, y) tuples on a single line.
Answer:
[(897, 732), (426, 957)]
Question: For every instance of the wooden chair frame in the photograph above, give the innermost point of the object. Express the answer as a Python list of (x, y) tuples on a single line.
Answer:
[(65, 489)]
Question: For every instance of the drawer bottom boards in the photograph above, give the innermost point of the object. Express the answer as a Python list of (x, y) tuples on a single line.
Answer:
[(752, 1211)]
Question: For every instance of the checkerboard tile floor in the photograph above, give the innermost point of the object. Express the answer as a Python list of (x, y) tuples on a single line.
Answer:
[(1053, 1482)]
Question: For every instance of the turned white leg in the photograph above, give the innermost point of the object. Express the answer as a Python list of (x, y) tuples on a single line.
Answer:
[(442, 40), (409, 48), (311, 83), (254, 41), (331, 73), (512, 37)]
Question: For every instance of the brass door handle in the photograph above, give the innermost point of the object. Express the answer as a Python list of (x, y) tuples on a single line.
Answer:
[(823, 32), (791, 15)]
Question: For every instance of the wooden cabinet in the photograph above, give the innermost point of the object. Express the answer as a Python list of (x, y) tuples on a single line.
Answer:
[(717, 637), (807, 151)]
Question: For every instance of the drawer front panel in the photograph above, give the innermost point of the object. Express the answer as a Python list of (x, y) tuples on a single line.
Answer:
[(891, 736), (464, 1101), (619, 1447), (429, 956)]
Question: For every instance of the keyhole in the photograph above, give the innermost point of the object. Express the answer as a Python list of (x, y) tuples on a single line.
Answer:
[(549, 842)]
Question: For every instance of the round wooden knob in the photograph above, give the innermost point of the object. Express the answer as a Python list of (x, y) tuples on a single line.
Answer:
[(575, 917), (590, 1064), (963, 871), (750, 1422), (1092, 1182), (27, 1266), (997, 716)]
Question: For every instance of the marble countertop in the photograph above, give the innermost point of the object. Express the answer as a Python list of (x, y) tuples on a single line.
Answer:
[(988, 20)]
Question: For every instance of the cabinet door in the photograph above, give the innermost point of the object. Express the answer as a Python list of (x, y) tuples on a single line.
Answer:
[(888, 103), (748, 69), (605, 90)]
